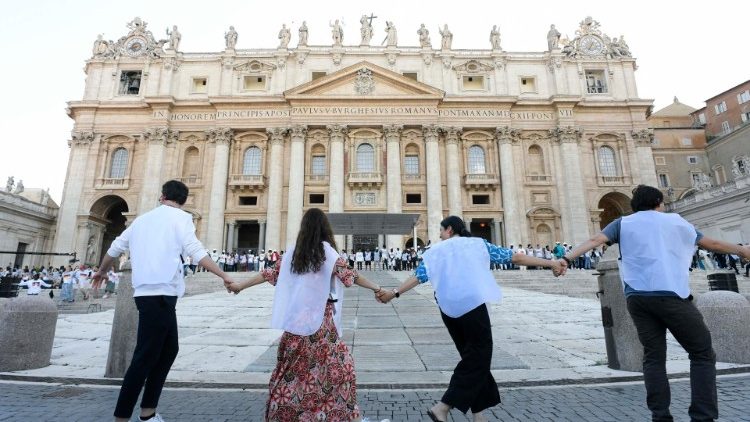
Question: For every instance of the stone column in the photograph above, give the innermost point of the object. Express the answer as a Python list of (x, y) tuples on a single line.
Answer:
[(230, 236), (222, 138), (275, 186), (393, 176), (261, 235), (296, 184), (156, 139), (124, 332), (646, 169), (496, 238), (575, 212), (434, 183), (336, 176), (71, 199), (452, 172), (511, 206)]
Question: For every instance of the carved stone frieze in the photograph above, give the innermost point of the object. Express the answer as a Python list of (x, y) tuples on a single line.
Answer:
[(451, 134), (337, 132), (643, 137), (81, 139), (277, 135), (364, 83), (139, 42), (160, 134), (473, 66), (298, 132), (430, 133), (392, 132)]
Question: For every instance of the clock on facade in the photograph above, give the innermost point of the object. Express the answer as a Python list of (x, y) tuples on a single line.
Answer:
[(591, 45), (135, 46)]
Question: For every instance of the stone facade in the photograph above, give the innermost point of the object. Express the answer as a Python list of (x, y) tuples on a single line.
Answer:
[(27, 224), (528, 147)]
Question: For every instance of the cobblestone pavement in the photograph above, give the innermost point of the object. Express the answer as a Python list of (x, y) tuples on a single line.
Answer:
[(611, 402)]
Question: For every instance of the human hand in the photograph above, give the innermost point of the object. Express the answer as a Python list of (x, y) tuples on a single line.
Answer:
[(234, 287), (559, 267), (745, 252), (385, 296), (99, 276), (227, 283)]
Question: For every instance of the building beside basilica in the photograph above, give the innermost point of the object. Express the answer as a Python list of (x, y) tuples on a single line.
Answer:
[(530, 147)]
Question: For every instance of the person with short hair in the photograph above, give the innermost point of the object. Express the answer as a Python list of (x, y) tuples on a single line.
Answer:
[(34, 285), (656, 249), (156, 240)]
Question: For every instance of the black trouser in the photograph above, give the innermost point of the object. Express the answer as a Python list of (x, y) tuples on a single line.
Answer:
[(747, 269), (653, 316), (472, 385), (155, 351)]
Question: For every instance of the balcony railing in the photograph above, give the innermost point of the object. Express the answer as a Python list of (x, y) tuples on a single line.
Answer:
[(365, 179), (112, 183), (412, 178), (612, 180), (316, 179), (538, 178), (247, 182), (191, 180), (481, 181)]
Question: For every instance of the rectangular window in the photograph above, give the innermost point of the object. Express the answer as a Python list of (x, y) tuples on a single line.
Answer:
[(410, 75), (413, 198), (743, 97), (254, 83), (528, 85), (249, 200), (696, 178), (725, 128), (721, 107), (411, 164), (745, 117), (663, 181), (318, 75), (480, 199), (200, 85), (130, 82), (596, 83), (687, 142), (660, 161), (692, 159), (319, 165), (702, 118), (473, 82), (317, 198)]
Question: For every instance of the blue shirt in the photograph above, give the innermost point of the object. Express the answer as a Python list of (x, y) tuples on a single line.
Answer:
[(498, 255), (612, 231)]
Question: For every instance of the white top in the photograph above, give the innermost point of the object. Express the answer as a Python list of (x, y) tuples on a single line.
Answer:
[(359, 257), (35, 286), (156, 240), (300, 299), (657, 250), (459, 270)]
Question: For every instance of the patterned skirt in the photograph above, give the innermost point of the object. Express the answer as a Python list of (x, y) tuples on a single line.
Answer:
[(314, 378)]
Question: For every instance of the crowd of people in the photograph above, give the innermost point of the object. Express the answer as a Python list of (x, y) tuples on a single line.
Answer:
[(72, 281)]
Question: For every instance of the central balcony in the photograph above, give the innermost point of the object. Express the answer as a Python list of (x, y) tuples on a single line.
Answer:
[(247, 182), (481, 181), (365, 179), (612, 180), (112, 183)]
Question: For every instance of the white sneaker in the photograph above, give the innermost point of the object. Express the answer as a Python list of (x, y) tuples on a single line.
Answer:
[(156, 418)]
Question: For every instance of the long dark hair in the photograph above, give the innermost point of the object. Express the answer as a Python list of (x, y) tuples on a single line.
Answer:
[(309, 254), (457, 224)]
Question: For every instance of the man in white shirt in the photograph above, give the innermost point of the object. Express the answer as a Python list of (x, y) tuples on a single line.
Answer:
[(156, 240)]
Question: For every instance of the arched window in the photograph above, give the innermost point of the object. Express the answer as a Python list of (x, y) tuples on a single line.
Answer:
[(476, 160), (607, 164), (191, 163), (119, 164), (365, 158), (251, 161), (411, 160), (536, 161), (318, 163)]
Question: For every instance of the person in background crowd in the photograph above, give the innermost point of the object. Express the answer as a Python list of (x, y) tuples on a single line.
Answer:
[(34, 285), (112, 280)]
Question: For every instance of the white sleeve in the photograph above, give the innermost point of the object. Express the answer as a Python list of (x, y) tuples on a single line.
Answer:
[(191, 246), (120, 244)]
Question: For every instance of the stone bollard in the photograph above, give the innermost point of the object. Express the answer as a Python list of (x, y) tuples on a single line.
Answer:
[(727, 315), (27, 332), (124, 327), (624, 350)]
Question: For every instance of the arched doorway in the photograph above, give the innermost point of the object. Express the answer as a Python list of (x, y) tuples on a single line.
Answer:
[(613, 205), (109, 211), (410, 243)]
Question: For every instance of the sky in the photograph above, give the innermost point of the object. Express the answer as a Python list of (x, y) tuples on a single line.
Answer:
[(692, 51)]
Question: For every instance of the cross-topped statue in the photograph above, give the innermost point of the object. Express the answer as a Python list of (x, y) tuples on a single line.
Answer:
[(366, 28)]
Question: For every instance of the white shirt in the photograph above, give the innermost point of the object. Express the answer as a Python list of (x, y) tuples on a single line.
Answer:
[(35, 286), (156, 240)]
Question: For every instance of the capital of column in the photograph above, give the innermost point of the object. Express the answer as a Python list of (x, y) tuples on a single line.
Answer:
[(220, 135), (506, 134), (277, 135), (643, 137), (451, 134), (566, 135), (81, 138), (392, 132), (160, 135), (430, 133), (298, 132), (261, 222), (337, 132)]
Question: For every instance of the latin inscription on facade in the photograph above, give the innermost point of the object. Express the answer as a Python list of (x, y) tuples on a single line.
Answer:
[(365, 198)]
